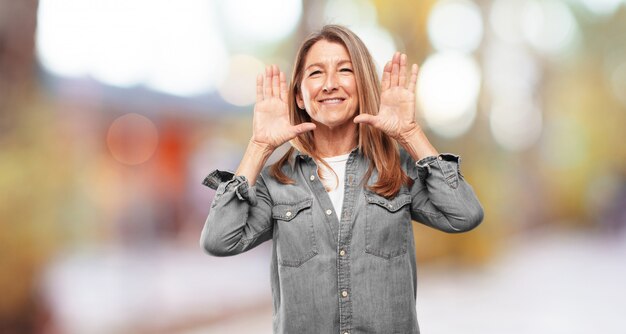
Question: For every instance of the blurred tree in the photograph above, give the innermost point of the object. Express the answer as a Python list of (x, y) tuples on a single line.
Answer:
[(17, 44), (31, 172)]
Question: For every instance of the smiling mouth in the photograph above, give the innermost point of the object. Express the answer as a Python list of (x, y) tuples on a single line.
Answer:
[(335, 100)]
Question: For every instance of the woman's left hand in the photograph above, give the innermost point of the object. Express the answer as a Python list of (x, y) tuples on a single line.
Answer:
[(396, 116)]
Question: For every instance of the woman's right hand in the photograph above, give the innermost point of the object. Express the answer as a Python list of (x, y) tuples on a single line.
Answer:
[(270, 123)]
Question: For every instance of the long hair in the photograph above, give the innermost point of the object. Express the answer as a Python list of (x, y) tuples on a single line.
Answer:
[(378, 148)]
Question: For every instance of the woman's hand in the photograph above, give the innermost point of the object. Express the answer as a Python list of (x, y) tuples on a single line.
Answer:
[(396, 116), (270, 123)]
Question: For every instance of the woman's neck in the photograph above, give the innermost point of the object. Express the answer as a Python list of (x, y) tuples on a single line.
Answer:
[(337, 141)]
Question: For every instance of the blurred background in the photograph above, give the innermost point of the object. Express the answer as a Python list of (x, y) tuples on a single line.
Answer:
[(112, 112)]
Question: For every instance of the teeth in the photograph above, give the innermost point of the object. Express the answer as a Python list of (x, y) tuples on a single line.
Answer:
[(332, 101)]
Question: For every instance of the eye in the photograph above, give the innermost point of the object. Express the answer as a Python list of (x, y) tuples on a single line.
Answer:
[(345, 69), (316, 72)]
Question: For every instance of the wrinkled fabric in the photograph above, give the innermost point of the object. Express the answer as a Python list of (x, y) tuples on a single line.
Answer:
[(353, 275)]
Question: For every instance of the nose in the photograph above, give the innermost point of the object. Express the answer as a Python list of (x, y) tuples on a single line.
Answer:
[(331, 83)]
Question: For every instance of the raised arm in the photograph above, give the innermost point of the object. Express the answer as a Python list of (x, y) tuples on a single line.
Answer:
[(240, 215), (440, 196), (270, 123), (396, 116)]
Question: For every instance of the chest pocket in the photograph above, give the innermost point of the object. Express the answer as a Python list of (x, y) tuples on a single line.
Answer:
[(294, 235), (387, 225)]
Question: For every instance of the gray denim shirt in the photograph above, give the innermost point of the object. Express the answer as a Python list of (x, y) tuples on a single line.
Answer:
[(353, 275)]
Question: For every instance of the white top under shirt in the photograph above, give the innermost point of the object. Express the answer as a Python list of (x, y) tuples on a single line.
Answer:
[(338, 164)]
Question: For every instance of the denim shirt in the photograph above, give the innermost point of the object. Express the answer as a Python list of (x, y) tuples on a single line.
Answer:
[(353, 275)]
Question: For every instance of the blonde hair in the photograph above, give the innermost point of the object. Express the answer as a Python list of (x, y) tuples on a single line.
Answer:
[(376, 146)]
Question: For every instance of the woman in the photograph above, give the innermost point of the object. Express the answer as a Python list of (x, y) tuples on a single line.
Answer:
[(339, 204)]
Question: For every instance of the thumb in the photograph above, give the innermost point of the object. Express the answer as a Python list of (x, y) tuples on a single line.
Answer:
[(365, 118), (303, 127)]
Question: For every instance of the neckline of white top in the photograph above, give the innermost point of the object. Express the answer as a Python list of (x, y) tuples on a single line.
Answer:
[(338, 158)]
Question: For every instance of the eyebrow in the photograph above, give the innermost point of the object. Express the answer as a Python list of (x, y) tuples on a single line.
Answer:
[(341, 62)]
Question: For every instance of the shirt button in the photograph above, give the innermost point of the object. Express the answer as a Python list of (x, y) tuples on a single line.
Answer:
[(342, 252), (312, 177), (440, 157), (344, 293), (329, 211), (288, 214)]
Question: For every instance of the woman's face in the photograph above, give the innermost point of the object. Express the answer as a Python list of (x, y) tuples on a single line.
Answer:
[(328, 90)]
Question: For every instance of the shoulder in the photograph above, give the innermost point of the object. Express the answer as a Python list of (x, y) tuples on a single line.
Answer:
[(288, 169), (291, 188)]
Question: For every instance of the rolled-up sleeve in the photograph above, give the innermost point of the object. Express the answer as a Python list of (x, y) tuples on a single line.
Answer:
[(441, 198), (240, 216)]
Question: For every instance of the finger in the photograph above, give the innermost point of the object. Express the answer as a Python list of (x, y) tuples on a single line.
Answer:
[(402, 80), (413, 79), (259, 88), (386, 76), (395, 69), (275, 81), (365, 119), (284, 94), (268, 82), (303, 127)]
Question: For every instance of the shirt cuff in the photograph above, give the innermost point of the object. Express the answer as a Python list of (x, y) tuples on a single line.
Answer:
[(446, 162), (225, 181)]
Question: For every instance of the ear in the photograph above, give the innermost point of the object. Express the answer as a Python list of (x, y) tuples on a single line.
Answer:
[(299, 101)]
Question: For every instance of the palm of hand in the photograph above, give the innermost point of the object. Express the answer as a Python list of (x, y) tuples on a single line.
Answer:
[(396, 114), (397, 111), (270, 124)]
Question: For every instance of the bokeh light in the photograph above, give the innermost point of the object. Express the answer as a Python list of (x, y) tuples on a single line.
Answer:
[(515, 125), (361, 17), (252, 23), (510, 70), (351, 13), (113, 54), (63, 36), (618, 82), (447, 90), (189, 55), (455, 25), (549, 26), (601, 7), (103, 39), (379, 42), (132, 139), (505, 20), (240, 86)]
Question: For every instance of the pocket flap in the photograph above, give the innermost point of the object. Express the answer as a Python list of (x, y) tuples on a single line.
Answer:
[(391, 205), (289, 210)]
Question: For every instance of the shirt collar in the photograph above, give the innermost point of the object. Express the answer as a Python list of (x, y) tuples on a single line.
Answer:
[(296, 154)]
